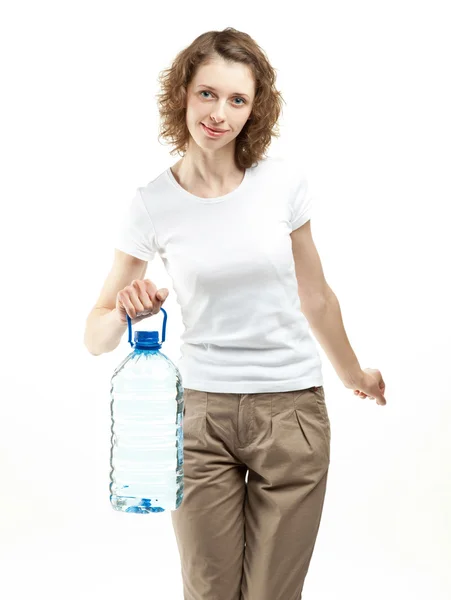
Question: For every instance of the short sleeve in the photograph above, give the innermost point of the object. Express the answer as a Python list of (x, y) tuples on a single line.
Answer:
[(301, 203), (134, 232)]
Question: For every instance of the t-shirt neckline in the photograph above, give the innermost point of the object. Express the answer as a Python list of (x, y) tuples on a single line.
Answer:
[(181, 189)]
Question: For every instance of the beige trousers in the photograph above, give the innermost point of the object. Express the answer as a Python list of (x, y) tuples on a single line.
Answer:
[(254, 540)]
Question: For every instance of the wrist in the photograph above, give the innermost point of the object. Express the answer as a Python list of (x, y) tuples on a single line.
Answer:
[(353, 379)]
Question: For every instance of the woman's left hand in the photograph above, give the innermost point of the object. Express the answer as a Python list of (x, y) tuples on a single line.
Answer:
[(371, 385)]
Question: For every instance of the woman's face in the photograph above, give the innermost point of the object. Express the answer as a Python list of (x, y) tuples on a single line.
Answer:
[(226, 107)]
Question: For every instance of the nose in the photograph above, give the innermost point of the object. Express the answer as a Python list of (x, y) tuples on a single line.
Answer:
[(217, 113)]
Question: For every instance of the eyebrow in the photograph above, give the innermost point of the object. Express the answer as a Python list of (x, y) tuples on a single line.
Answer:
[(214, 90)]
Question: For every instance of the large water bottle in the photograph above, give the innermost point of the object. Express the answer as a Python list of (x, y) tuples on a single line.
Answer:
[(147, 409)]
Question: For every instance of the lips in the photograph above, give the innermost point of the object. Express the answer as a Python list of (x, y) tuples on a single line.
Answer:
[(212, 129)]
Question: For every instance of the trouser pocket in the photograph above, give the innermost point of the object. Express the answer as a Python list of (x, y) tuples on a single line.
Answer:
[(320, 399)]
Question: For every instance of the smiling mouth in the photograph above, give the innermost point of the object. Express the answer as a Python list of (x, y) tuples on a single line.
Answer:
[(215, 130)]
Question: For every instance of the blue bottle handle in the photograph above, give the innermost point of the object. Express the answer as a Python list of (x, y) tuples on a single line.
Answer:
[(129, 321)]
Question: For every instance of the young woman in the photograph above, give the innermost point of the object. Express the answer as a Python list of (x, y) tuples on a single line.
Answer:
[(233, 229)]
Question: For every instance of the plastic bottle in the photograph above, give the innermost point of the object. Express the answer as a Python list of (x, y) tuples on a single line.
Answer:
[(147, 410)]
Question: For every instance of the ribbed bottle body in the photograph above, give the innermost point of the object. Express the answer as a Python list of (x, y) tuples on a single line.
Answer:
[(147, 434)]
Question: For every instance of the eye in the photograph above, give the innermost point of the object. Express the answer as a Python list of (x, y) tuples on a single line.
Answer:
[(239, 98)]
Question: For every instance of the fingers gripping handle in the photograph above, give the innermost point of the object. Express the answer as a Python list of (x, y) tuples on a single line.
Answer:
[(129, 321)]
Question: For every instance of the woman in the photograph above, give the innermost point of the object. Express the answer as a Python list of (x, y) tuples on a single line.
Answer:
[(233, 229)]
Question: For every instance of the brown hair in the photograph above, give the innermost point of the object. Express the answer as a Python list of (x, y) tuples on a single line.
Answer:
[(232, 46)]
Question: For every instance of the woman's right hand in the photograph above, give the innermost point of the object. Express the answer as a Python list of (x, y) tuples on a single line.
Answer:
[(139, 300)]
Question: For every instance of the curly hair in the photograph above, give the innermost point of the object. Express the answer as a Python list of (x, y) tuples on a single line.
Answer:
[(235, 47)]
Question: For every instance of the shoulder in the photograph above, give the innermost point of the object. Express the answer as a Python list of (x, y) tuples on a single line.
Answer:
[(288, 167)]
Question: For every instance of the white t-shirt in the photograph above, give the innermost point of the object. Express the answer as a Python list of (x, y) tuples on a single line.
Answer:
[(231, 263)]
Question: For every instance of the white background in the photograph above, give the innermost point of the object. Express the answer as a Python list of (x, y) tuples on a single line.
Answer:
[(367, 115)]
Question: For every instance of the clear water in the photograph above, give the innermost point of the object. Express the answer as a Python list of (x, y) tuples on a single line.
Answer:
[(147, 434)]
